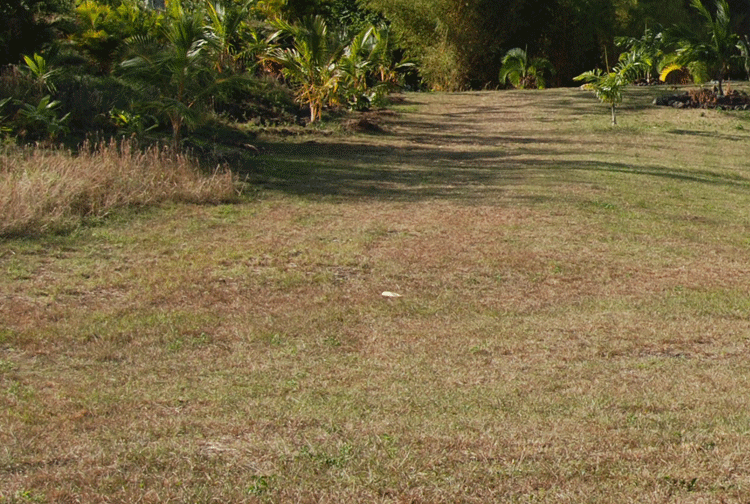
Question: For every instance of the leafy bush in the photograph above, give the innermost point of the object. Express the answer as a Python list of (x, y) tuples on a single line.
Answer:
[(40, 73), (41, 121), (260, 99), (524, 72), (130, 124), (101, 30)]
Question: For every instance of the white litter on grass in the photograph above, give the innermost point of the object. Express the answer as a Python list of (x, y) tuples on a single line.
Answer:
[(389, 294)]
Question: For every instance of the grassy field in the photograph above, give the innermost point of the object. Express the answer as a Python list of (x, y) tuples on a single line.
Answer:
[(573, 325)]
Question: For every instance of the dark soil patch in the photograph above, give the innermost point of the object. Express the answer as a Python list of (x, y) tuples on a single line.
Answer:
[(363, 125)]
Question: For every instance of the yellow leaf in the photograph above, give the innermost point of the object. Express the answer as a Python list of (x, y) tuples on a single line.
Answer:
[(668, 70)]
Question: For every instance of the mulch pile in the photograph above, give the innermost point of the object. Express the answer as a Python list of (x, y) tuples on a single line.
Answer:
[(363, 125), (706, 99)]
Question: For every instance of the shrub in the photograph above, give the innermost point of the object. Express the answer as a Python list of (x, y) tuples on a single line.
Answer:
[(524, 72), (41, 121)]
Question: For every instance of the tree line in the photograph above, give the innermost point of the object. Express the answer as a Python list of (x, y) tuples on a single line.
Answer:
[(457, 43), (125, 66), (145, 64), (461, 43)]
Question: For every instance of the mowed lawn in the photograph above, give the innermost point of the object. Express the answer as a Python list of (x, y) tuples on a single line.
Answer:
[(573, 322)]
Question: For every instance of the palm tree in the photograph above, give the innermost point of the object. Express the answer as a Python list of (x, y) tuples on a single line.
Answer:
[(388, 64), (648, 50), (744, 46), (182, 69), (310, 64), (716, 47), (522, 72), (357, 63), (370, 66), (608, 86), (226, 23)]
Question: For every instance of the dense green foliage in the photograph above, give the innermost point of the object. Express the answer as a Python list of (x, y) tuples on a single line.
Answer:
[(715, 45), (123, 66), (150, 70), (461, 43), (646, 52), (524, 72), (27, 25)]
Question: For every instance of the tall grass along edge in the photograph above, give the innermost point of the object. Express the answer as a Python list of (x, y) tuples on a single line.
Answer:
[(43, 190)]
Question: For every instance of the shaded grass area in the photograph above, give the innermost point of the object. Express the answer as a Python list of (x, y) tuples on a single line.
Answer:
[(573, 325), (433, 154)]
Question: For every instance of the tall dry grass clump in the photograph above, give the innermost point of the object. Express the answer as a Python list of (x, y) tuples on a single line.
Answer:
[(43, 190)]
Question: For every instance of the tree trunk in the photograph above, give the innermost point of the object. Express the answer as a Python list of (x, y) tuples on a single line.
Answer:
[(614, 116), (176, 130), (313, 113)]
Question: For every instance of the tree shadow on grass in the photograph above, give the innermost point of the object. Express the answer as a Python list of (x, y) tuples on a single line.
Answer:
[(423, 172), (468, 146), (698, 176), (709, 134)]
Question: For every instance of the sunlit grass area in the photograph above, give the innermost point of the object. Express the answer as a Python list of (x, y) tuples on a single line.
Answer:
[(573, 322)]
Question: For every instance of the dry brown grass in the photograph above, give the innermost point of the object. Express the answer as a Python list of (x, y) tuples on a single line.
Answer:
[(51, 190), (573, 325)]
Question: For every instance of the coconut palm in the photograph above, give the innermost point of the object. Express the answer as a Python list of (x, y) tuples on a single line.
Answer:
[(388, 66), (181, 69), (368, 68), (371, 66), (356, 65), (715, 47), (310, 64), (226, 22), (524, 72)]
